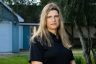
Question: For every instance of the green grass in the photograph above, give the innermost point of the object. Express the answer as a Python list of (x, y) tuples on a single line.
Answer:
[(23, 59), (16, 59)]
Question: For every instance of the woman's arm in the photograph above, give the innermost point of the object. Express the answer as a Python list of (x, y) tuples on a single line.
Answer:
[(36, 52), (36, 62), (72, 62)]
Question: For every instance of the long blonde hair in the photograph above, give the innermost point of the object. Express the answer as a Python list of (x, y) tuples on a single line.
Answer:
[(42, 30)]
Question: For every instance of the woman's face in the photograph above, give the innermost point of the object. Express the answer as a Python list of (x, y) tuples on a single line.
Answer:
[(52, 20)]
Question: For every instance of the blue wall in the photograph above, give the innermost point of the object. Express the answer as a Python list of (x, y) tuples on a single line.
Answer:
[(9, 31), (6, 36), (6, 14), (15, 38), (26, 37)]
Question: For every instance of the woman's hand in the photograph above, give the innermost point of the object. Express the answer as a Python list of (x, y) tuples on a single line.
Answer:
[(72, 62), (36, 62)]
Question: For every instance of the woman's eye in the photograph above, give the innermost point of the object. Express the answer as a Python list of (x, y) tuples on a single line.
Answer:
[(49, 16), (56, 15)]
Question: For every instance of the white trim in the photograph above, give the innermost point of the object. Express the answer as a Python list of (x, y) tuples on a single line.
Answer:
[(28, 23)]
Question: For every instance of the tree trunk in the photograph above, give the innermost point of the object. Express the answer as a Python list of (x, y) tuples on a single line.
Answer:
[(83, 43)]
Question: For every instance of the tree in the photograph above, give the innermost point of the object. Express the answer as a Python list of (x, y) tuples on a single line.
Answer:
[(23, 2), (80, 12)]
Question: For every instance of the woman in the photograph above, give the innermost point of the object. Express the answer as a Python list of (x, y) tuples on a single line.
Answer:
[(50, 44)]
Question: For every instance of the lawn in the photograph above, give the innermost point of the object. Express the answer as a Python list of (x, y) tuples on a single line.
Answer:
[(23, 58), (14, 59)]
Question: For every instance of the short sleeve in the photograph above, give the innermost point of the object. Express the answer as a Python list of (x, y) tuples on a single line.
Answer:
[(71, 57), (36, 52)]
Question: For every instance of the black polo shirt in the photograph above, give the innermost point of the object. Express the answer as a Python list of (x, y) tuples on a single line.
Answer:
[(57, 54)]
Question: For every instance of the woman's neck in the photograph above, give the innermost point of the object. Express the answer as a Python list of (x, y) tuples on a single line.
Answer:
[(53, 31)]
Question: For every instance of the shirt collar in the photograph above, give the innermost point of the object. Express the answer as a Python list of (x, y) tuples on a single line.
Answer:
[(52, 35)]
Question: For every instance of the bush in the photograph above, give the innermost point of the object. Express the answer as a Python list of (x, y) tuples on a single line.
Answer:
[(79, 60)]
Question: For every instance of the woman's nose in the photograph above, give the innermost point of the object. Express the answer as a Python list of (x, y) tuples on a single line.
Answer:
[(53, 19)]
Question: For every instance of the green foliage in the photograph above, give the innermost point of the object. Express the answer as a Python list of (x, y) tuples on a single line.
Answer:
[(29, 13), (79, 60), (81, 10), (23, 59)]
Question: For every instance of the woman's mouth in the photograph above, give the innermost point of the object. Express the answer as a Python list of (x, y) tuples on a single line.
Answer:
[(53, 24)]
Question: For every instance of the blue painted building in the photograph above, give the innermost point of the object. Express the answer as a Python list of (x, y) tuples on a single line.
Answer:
[(28, 29), (11, 34)]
